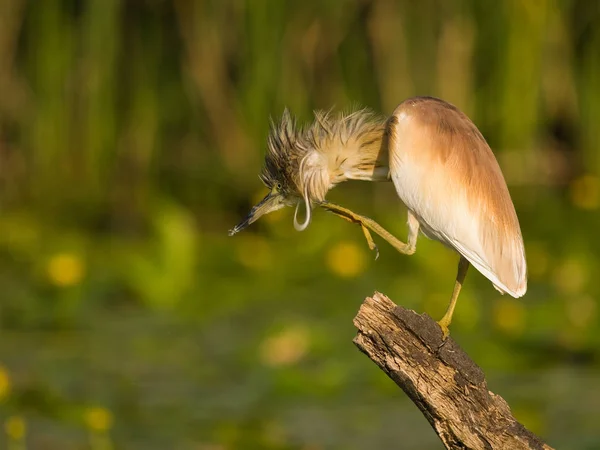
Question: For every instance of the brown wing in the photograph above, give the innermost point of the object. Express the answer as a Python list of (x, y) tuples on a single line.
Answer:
[(446, 174)]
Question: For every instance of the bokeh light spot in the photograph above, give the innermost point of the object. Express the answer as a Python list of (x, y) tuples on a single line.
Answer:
[(4, 383), (15, 428), (286, 347), (98, 419), (65, 269), (571, 276), (346, 259)]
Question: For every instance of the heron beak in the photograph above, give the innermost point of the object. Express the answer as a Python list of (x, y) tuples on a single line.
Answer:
[(272, 202)]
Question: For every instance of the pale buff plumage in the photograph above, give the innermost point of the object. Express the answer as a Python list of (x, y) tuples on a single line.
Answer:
[(441, 166), (305, 163), (447, 176), (334, 148)]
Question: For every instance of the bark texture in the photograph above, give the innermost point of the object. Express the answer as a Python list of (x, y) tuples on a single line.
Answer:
[(439, 377)]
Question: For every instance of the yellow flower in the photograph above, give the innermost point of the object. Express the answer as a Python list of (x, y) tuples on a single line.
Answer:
[(65, 269), (98, 419), (4, 383), (346, 259), (15, 428)]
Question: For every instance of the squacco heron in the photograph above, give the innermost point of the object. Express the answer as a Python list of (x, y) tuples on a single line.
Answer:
[(442, 168)]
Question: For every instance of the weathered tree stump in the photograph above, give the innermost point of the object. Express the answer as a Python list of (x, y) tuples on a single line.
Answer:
[(439, 377)]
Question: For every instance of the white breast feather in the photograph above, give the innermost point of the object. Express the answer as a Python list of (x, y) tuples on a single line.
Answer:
[(445, 214)]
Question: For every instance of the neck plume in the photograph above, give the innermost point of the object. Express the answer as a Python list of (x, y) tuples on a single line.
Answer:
[(345, 147), (307, 162)]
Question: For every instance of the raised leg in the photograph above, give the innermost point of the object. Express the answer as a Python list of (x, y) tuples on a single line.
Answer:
[(351, 217), (369, 224), (370, 241), (463, 266)]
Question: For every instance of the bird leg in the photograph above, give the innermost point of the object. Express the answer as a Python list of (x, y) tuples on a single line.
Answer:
[(369, 238), (351, 217), (369, 224), (444, 322)]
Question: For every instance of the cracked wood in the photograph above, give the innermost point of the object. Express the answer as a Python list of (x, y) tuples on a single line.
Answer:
[(439, 377)]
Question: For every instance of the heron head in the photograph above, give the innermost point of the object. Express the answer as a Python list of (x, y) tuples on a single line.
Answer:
[(281, 174)]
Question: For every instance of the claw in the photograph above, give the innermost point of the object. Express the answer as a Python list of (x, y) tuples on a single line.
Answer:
[(370, 241), (445, 330)]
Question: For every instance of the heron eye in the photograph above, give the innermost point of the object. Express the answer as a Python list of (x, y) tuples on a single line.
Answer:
[(278, 186)]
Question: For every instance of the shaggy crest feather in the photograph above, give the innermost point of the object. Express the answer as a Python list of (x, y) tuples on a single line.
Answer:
[(308, 161), (443, 170)]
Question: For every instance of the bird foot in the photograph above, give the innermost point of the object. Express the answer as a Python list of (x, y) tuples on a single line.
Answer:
[(370, 242), (444, 325)]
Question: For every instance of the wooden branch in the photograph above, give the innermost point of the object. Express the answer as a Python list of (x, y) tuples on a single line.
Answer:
[(439, 377)]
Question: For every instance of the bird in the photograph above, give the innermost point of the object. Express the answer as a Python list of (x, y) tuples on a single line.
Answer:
[(441, 166)]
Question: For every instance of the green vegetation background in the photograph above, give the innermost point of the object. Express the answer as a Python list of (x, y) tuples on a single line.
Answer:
[(131, 137)]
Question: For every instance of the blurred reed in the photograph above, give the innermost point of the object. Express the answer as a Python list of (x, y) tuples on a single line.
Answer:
[(131, 136), (118, 99)]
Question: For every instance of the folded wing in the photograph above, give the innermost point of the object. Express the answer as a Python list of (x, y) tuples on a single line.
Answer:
[(446, 174)]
